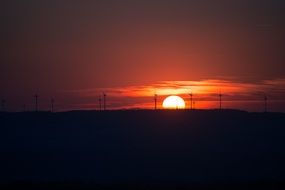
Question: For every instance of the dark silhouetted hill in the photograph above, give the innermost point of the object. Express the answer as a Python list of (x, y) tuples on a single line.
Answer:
[(143, 149)]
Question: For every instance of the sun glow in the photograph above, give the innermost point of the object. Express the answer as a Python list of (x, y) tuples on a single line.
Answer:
[(173, 102)]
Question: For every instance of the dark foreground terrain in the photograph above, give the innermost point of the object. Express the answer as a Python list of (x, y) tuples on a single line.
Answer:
[(143, 150)]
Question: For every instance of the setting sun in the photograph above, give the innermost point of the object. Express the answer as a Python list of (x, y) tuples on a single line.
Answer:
[(173, 102)]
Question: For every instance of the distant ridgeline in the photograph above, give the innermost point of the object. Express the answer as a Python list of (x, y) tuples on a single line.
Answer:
[(146, 149)]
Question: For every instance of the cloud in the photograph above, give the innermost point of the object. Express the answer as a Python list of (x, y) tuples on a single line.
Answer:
[(206, 92)]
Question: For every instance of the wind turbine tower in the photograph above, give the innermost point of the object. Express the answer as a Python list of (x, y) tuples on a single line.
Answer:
[(220, 97), (100, 103), (3, 102), (36, 101), (104, 101), (52, 104), (191, 100), (155, 101), (265, 103)]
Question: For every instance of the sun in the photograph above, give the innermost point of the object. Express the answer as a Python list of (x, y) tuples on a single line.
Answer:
[(173, 102)]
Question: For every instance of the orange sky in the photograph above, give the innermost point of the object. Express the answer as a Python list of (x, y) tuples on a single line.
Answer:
[(75, 50), (236, 95)]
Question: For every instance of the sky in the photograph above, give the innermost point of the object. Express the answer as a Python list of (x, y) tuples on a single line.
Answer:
[(75, 50)]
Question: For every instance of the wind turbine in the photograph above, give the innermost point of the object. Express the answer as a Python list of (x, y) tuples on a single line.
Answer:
[(104, 101), (36, 96), (155, 101), (100, 103), (24, 108), (52, 104), (3, 102), (265, 103), (220, 97), (177, 104), (191, 100)]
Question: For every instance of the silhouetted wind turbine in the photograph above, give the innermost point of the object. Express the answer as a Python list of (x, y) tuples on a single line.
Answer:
[(36, 96), (3, 102), (220, 96), (52, 104), (265, 103), (100, 103), (191, 100), (104, 101), (176, 104), (155, 101)]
